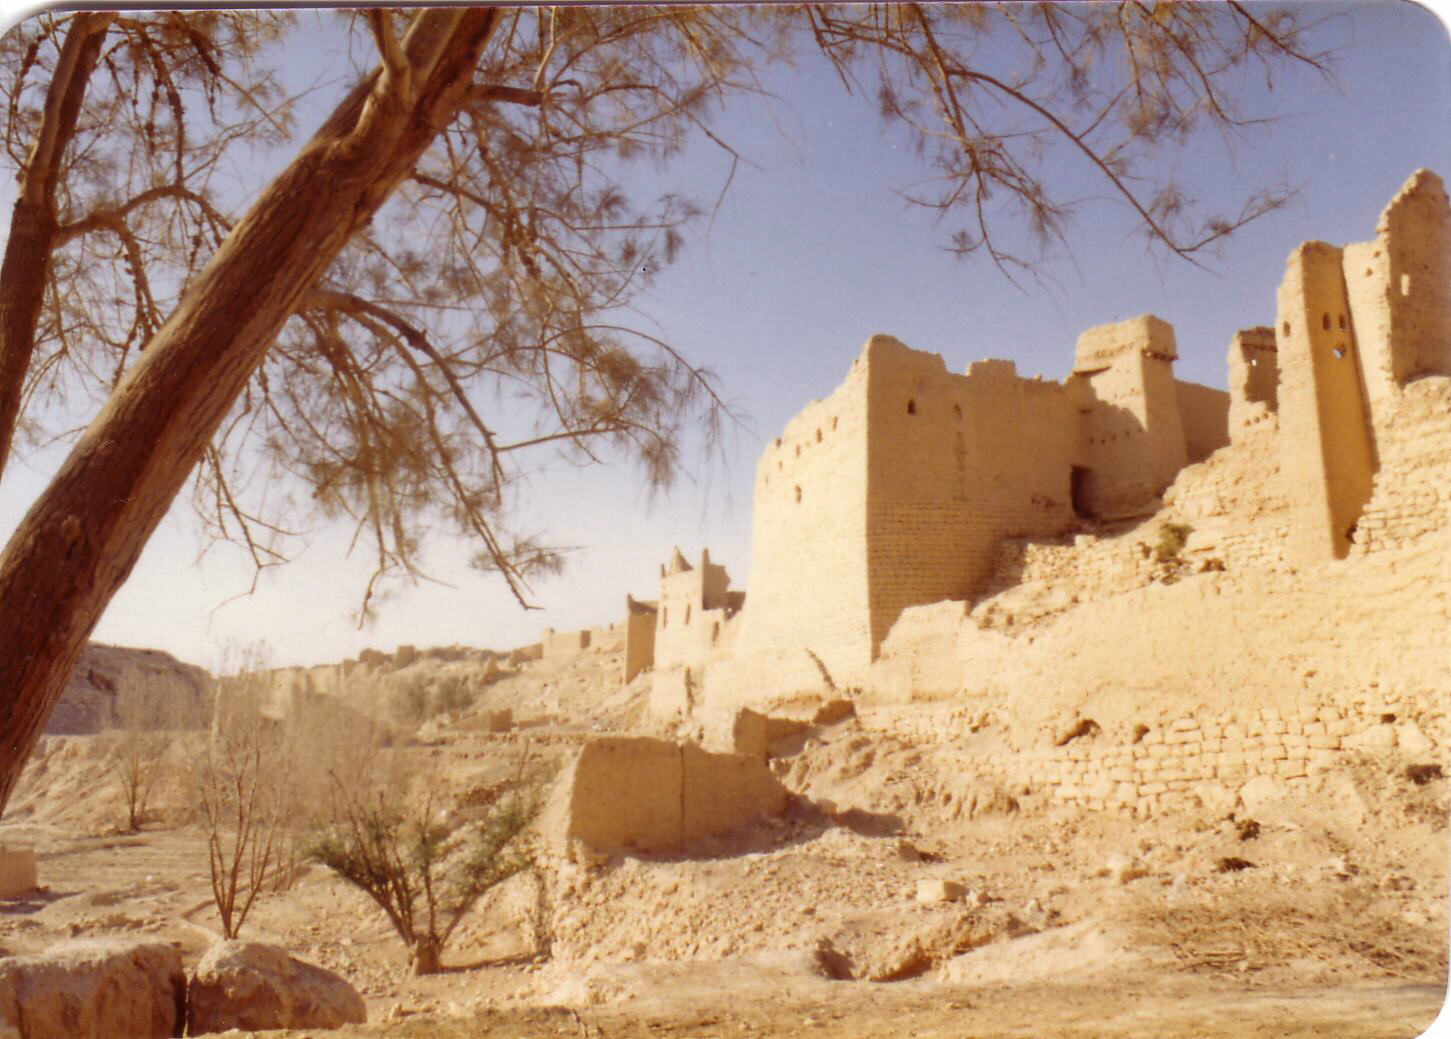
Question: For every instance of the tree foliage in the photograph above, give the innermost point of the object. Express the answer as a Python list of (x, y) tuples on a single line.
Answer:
[(119, 125), (484, 315), (997, 98)]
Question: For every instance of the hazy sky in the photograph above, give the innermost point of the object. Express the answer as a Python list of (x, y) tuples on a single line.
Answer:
[(812, 251)]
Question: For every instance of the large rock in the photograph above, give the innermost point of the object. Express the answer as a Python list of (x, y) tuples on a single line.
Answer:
[(1262, 794), (93, 989), (1412, 741), (254, 987)]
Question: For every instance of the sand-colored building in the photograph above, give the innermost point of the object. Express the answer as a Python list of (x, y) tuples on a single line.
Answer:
[(911, 484), (896, 489)]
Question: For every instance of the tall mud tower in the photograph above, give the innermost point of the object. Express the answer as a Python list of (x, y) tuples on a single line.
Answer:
[(1354, 326)]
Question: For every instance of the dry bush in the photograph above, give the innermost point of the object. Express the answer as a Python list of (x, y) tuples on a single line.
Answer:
[(135, 757), (1172, 538), (246, 785), (416, 699), (392, 838), (1339, 926)]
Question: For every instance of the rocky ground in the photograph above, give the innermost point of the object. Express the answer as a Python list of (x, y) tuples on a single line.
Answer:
[(1322, 911)]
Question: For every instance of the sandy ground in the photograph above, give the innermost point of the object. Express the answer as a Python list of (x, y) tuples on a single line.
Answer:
[(1335, 922)]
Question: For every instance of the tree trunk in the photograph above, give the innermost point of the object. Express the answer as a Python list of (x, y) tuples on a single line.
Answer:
[(427, 956), (26, 266), (79, 541)]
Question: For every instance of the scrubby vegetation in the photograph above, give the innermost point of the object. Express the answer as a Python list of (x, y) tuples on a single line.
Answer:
[(424, 866), (1172, 538)]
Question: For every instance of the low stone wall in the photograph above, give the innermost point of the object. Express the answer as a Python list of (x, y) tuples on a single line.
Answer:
[(559, 645), (1204, 757)]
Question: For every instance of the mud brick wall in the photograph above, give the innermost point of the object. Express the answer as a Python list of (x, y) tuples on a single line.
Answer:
[(808, 582), (955, 463)]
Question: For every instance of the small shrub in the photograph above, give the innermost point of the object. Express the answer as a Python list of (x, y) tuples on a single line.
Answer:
[(135, 759), (450, 695), (425, 874), (242, 793), (1232, 864), (1172, 538), (1248, 829)]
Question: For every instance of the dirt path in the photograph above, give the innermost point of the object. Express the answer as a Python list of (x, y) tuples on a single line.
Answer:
[(1128, 1007)]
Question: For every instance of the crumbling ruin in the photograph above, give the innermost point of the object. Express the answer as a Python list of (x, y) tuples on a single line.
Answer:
[(909, 521)]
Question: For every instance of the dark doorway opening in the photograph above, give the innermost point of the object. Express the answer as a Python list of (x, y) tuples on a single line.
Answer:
[(1079, 480)]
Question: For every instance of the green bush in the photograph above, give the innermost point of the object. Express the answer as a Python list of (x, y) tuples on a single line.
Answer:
[(1172, 538), (424, 873)]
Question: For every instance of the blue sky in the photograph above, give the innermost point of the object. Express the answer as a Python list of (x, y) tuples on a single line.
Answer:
[(812, 251)]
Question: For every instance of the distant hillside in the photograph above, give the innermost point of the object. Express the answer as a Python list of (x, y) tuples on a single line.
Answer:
[(112, 685)]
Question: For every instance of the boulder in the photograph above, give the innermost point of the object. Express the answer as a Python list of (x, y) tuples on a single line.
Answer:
[(1261, 794), (93, 989), (932, 890), (1215, 798), (1122, 869), (1412, 741), (254, 987), (1374, 738)]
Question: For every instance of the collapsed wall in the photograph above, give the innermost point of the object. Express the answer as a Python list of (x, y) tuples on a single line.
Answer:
[(929, 541), (634, 794), (1216, 678), (1304, 617)]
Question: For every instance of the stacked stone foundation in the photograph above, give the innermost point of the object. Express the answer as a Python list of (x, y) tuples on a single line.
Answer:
[(1170, 764)]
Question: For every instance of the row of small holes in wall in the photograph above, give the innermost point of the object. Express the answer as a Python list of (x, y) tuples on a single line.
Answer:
[(780, 465), (912, 408), (1339, 350), (1114, 436)]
